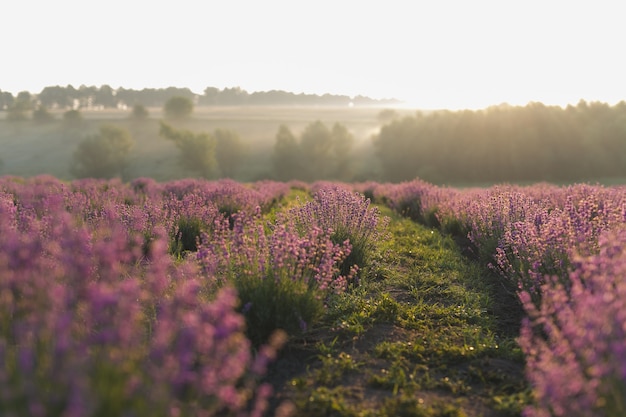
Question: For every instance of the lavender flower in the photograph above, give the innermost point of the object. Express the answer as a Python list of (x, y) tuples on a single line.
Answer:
[(347, 216), (575, 342), (96, 318)]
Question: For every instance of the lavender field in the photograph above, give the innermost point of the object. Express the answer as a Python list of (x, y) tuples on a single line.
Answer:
[(180, 298), (562, 250)]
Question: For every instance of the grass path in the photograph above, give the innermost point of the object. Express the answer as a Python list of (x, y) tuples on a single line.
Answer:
[(426, 334)]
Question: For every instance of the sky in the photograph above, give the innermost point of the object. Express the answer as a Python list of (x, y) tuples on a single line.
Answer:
[(431, 54)]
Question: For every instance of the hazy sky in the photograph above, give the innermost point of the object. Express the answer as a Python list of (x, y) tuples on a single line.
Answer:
[(433, 54)]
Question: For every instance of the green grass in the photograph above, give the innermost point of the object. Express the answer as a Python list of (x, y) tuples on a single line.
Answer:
[(420, 337)]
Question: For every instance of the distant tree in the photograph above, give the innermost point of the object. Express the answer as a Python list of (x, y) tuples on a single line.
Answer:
[(72, 118), (20, 107), (55, 96), (506, 143), (87, 95), (229, 152), (103, 155), (342, 141), (129, 96), (139, 112), (105, 96), (42, 115), (72, 96), (170, 92), (178, 107), (26, 98), (316, 144), (6, 100), (197, 150), (234, 96), (273, 97), (210, 97), (152, 97), (321, 153), (336, 100), (395, 147), (286, 156)]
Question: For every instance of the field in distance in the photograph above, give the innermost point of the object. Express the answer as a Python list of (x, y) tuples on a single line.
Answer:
[(29, 148)]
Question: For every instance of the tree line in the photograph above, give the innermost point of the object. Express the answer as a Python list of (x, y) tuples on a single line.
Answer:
[(105, 96), (506, 144), (499, 144), (202, 154), (319, 153)]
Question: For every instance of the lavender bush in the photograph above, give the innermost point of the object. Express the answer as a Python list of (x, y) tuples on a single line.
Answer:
[(575, 342), (562, 250), (103, 312), (348, 216), (282, 279), (97, 319), (523, 233)]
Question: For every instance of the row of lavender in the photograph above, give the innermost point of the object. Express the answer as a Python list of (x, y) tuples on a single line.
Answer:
[(161, 299), (563, 251)]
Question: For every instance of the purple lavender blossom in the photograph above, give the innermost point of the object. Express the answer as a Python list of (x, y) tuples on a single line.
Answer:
[(347, 216), (96, 318), (575, 342)]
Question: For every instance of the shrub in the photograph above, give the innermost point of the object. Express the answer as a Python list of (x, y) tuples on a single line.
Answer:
[(282, 279), (349, 217), (72, 118), (575, 343), (139, 112), (94, 323), (197, 150), (178, 107), (229, 152), (103, 155), (187, 236), (19, 109)]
